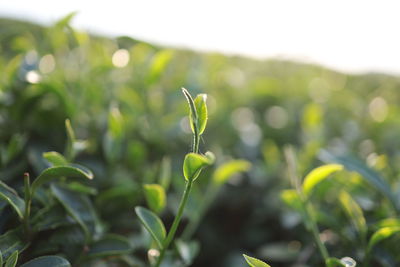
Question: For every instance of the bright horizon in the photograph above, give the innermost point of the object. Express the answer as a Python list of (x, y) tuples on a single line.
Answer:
[(350, 36)]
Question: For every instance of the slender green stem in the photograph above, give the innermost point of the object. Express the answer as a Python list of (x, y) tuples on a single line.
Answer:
[(28, 200), (315, 232), (176, 222)]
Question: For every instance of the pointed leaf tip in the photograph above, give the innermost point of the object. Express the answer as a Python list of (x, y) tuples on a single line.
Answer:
[(253, 262)]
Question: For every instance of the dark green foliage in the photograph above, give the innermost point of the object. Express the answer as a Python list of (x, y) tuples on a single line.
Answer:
[(91, 132)]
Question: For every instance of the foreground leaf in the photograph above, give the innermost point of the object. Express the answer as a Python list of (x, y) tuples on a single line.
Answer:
[(1, 259), (12, 260), (317, 175), (193, 112), (201, 109), (224, 172), (111, 245), (253, 262), (153, 224), (155, 197), (72, 170), (382, 234), (9, 195), (53, 261), (193, 164)]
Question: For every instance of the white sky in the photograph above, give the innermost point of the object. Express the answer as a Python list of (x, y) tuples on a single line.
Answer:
[(350, 35)]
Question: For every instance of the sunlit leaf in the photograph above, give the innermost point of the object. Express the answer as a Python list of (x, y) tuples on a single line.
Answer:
[(201, 109), (53, 261), (382, 234), (110, 245), (192, 110), (55, 158), (12, 260), (317, 175), (9, 195), (253, 262), (153, 224), (225, 171), (193, 164), (370, 175), (72, 170), (155, 196)]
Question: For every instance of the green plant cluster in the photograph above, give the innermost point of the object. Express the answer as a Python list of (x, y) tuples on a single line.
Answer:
[(104, 163)]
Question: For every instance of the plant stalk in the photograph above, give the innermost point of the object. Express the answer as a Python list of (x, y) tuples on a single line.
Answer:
[(176, 222), (28, 200)]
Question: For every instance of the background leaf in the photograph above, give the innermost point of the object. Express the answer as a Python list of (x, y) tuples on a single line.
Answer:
[(79, 207), (382, 234), (110, 245), (51, 173), (153, 224), (53, 261), (12, 260), (155, 196), (9, 195), (55, 158), (228, 169)]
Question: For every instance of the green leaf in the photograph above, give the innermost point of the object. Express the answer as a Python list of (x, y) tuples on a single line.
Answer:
[(53, 261), (192, 111), (165, 173), (69, 149), (382, 234), (153, 224), (10, 242), (1, 259), (193, 164), (354, 212), (78, 206), (187, 250), (115, 123), (55, 158), (9, 195), (253, 262), (370, 175), (224, 172), (334, 262), (72, 170), (201, 109), (292, 199), (111, 245), (12, 260), (318, 175), (155, 197)]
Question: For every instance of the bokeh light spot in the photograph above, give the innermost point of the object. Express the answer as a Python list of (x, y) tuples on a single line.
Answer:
[(120, 58)]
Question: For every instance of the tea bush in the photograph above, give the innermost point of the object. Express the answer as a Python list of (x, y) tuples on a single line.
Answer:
[(94, 133)]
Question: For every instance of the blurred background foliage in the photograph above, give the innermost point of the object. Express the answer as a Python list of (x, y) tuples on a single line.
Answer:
[(123, 99)]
